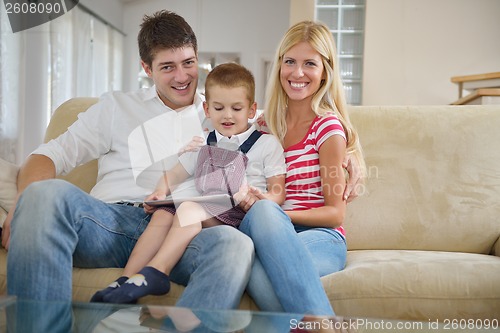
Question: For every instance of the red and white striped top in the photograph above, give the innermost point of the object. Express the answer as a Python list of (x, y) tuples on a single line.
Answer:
[(303, 180)]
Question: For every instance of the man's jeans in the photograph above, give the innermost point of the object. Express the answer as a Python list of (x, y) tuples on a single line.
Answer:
[(290, 261), (57, 226)]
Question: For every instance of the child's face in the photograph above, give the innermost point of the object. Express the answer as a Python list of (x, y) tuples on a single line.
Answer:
[(229, 110)]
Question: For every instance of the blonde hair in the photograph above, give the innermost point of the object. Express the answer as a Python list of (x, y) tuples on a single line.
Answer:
[(330, 96)]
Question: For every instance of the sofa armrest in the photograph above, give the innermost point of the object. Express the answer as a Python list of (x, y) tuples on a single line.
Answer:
[(496, 248), (83, 176)]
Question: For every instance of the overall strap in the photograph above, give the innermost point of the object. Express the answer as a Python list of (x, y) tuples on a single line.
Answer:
[(245, 146), (211, 139)]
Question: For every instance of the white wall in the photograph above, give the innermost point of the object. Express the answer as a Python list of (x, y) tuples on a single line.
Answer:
[(413, 48), (251, 28), (301, 10)]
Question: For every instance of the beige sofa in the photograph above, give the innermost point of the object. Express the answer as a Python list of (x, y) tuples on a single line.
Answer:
[(423, 239)]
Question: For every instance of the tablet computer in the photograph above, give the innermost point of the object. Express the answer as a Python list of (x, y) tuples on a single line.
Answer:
[(216, 198)]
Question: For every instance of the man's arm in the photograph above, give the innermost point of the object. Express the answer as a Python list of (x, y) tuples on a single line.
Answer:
[(35, 168)]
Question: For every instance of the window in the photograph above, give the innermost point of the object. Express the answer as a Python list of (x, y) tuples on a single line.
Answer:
[(346, 19)]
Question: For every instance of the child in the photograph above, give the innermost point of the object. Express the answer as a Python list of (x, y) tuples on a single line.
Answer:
[(230, 103)]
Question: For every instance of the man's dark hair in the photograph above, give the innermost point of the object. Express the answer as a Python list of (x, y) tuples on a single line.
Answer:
[(164, 30)]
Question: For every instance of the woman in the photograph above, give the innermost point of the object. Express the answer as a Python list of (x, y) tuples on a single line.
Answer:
[(306, 110)]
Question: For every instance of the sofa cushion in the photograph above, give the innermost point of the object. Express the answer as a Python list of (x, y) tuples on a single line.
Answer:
[(8, 187), (416, 284)]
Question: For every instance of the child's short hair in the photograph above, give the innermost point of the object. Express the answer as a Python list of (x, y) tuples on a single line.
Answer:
[(231, 75)]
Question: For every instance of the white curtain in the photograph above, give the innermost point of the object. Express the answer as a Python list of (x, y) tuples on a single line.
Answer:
[(101, 49), (87, 57), (116, 56), (84, 57), (11, 74), (61, 59), (82, 54)]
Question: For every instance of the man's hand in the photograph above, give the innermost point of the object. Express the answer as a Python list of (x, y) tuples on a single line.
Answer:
[(195, 144), (355, 175)]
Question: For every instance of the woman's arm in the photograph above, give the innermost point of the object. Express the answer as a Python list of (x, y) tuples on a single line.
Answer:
[(331, 215), (275, 189)]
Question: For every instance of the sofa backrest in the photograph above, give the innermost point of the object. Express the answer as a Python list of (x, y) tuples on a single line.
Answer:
[(433, 176), (84, 176), (433, 179)]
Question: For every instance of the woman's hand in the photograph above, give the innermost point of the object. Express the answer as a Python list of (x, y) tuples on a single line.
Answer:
[(353, 169)]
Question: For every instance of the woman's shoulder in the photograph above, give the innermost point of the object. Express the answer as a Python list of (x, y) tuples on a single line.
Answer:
[(327, 116), (327, 125), (326, 120)]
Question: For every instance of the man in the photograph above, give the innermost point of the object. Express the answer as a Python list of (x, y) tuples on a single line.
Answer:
[(57, 226)]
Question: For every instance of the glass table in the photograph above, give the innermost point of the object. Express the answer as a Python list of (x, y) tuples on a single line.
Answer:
[(56, 317)]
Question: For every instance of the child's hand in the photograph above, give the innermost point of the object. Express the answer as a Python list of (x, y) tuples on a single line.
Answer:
[(241, 194), (153, 196), (247, 196), (195, 144)]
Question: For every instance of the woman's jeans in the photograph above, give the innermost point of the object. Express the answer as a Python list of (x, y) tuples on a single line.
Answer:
[(289, 261), (56, 227)]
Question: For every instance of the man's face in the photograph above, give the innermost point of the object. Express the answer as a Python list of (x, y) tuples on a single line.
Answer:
[(175, 74)]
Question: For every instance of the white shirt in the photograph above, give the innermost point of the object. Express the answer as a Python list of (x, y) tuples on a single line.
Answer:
[(265, 158), (133, 135)]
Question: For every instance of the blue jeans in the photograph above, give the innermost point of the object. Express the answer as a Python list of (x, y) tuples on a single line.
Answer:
[(289, 261), (56, 226)]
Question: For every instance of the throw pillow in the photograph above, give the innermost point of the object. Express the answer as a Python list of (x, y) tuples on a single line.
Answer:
[(8, 186)]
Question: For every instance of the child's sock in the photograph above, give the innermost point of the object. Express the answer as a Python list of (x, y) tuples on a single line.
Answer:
[(98, 296), (149, 281)]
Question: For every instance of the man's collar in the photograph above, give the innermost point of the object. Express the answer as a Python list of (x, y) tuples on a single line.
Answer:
[(242, 137)]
